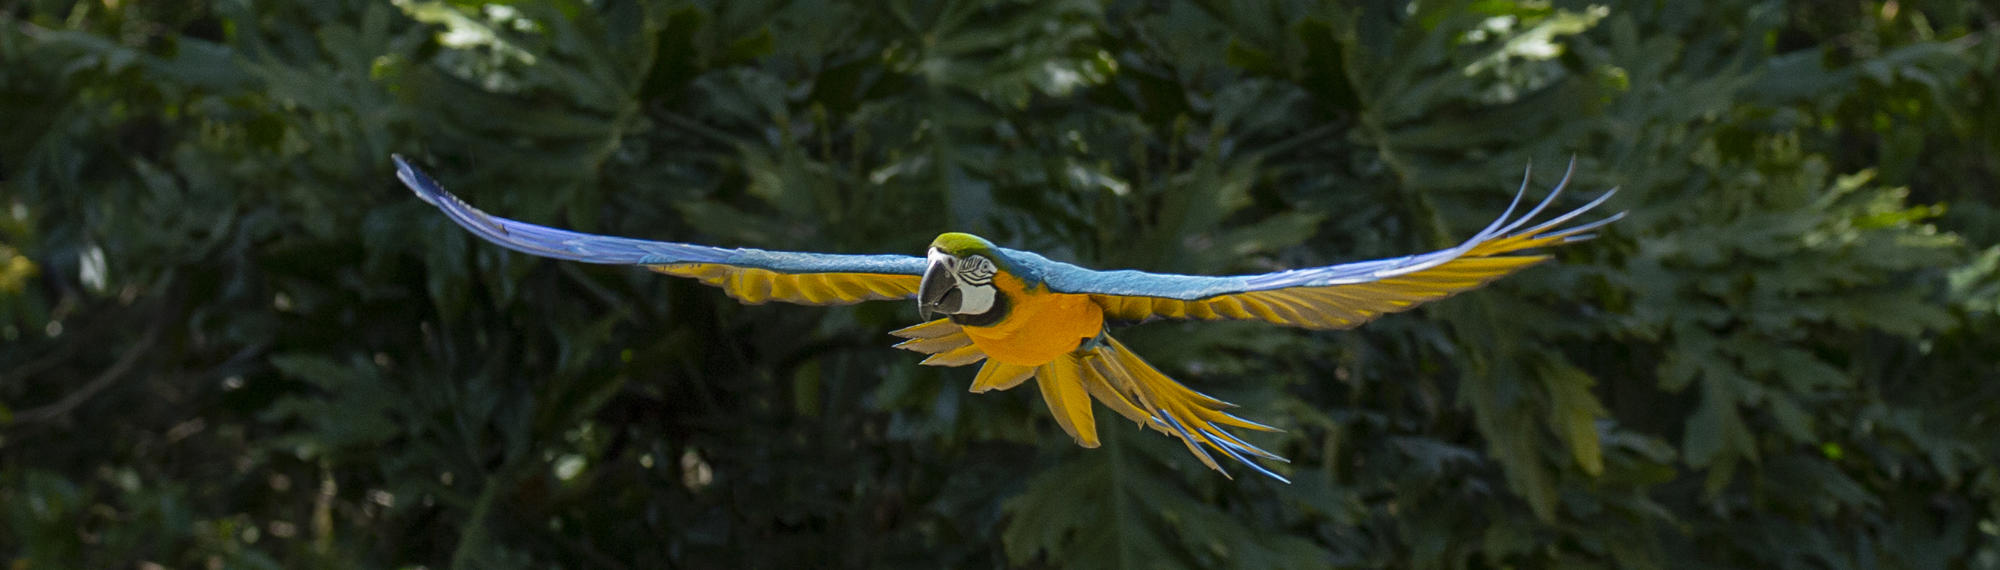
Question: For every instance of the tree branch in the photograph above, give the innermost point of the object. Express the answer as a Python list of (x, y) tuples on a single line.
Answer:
[(103, 380)]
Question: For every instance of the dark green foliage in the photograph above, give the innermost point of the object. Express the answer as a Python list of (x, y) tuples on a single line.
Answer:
[(232, 340)]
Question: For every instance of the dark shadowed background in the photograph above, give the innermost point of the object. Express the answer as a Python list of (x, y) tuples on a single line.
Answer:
[(232, 340)]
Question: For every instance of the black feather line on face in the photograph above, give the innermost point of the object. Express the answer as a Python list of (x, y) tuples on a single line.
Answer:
[(992, 315), (975, 270)]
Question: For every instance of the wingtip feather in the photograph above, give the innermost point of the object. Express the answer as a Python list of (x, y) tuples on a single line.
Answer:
[(416, 181), (1546, 200)]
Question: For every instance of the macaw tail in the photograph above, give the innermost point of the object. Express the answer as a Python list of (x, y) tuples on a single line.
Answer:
[(1112, 374)]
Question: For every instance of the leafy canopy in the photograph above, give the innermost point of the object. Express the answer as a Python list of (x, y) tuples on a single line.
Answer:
[(231, 341)]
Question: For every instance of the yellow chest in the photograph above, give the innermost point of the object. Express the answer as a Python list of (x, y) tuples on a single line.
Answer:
[(1039, 326)]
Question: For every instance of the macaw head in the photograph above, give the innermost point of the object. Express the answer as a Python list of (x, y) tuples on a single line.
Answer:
[(959, 281)]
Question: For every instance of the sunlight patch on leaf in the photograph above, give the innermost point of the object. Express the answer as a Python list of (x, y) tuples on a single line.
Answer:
[(483, 54), (1523, 50)]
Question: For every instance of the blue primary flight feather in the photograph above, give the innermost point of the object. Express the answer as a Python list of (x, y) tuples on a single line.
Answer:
[(590, 248)]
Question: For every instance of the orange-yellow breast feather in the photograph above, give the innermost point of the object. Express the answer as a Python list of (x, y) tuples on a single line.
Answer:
[(1039, 325)]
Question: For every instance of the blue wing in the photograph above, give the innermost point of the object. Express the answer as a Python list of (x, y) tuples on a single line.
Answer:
[(751, 275), (1334, 296)]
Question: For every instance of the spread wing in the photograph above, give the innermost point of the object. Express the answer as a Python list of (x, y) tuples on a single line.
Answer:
[(749, 275), (1334, 296)]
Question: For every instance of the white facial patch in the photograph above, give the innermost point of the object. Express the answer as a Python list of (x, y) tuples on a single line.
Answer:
[(974, 299), (972, 277)]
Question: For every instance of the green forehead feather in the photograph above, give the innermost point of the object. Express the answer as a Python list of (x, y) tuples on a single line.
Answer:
[(959, 244)]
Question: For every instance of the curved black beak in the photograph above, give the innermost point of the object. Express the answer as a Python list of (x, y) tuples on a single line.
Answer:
[(937, 293)]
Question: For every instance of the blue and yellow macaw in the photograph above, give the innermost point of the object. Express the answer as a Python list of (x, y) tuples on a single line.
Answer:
[(1028, 316)]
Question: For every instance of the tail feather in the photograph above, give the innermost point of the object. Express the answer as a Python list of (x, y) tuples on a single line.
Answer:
[(1109, 373), (1136, 390), (1111, 390)]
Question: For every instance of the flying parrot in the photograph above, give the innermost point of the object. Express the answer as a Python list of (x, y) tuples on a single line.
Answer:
[(1031, 317)]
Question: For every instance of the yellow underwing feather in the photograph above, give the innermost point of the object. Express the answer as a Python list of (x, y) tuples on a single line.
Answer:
[(944, 340), (997, 375), (960, 356), (1062, 388), (754, 286), (933, 329), (936, 345)]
